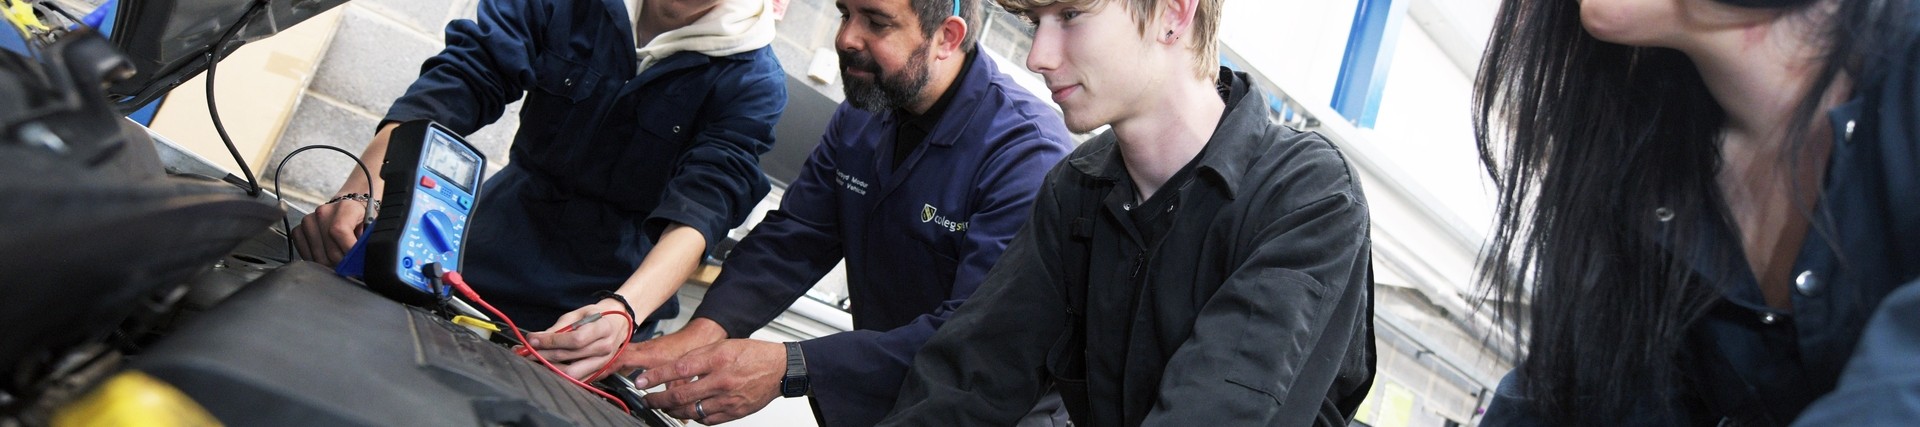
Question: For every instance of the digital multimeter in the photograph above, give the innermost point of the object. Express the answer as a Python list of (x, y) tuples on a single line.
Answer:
[(432, 181)]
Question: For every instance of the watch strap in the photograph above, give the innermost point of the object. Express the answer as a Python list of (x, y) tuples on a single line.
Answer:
[(795, 382)]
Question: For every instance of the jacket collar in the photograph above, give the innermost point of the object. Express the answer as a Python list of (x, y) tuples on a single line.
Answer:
[(619, 11), (930, 120), (1715, 253), (964, 108), (1234, 145)]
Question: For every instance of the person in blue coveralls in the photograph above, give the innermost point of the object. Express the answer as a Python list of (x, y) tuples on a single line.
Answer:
[(920, 181), (638, 149), (1714, 207)]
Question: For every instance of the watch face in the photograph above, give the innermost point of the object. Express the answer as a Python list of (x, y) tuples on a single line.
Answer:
[(793, 386)]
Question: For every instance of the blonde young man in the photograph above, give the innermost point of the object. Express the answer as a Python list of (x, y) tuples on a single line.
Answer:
[(1197, 265)]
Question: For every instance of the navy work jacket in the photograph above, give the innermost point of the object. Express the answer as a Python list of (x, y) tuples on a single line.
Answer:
[(1849, 351), (605, 158), (917, 240)]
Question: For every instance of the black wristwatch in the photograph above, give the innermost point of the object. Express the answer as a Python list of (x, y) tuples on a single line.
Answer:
[(795, 383)]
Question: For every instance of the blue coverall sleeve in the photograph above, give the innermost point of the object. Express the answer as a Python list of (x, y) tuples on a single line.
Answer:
[(1881, 385), (718, 180), (856, 375), (487, 64), (785, 254)]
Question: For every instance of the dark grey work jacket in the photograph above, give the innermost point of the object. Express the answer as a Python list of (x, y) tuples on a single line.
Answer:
[(1239, 294)]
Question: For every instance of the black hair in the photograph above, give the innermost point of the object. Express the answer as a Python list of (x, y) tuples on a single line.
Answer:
[(1604, 155), (933, 12)]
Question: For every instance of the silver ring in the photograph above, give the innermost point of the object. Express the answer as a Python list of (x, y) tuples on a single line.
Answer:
[(699, 410)]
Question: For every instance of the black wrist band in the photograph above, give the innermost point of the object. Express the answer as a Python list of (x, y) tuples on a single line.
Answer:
[(623, 303)]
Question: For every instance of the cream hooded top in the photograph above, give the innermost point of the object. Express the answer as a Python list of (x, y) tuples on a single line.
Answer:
[(733, 26)]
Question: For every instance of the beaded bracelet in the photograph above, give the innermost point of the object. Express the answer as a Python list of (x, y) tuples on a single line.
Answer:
[(360, 197)]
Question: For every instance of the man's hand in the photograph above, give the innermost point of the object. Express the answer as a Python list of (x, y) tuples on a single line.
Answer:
[(585, 349), (590, 347), (729, 380), (663, 351), (325, 235)]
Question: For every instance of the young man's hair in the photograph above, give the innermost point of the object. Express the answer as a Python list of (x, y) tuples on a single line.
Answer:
[(1606, 160), (1203, 41), (933, 12)]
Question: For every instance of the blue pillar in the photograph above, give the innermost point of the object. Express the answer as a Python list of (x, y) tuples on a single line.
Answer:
[(1363, 71)]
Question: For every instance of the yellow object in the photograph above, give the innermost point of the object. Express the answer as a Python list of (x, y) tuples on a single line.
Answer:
[(133, 398), (470, 322), (1397, 409), (20, 13), (479, 327)]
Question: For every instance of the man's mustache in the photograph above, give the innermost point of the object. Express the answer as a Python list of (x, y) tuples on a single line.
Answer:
[(856, 61)]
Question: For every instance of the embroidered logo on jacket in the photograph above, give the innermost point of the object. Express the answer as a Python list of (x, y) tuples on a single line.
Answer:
[(928, 213)]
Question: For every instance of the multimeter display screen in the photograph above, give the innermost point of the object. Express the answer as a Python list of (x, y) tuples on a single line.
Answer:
[(445, 157)]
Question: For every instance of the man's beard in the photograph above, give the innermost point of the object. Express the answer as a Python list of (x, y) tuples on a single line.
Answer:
[(886, 91)]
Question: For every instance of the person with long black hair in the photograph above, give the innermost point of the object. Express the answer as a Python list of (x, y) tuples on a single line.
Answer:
[(1709, 210)]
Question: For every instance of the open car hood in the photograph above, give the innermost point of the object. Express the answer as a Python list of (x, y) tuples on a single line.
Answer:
[(167, 40)]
